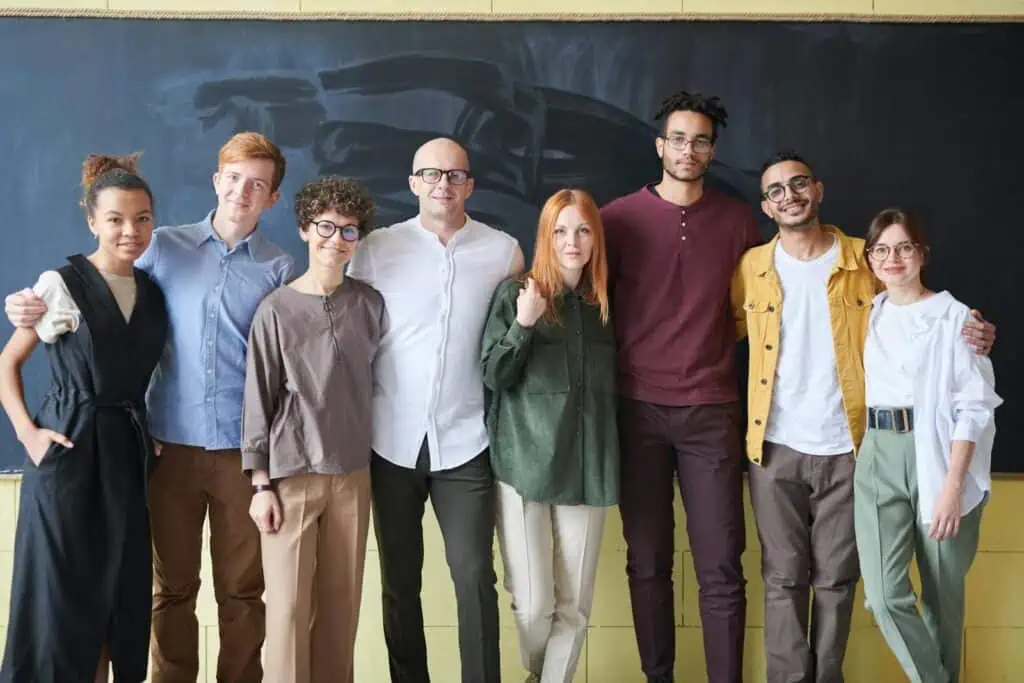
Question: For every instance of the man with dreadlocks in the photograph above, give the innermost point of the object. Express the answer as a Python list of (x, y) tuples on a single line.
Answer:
[(672, 247)]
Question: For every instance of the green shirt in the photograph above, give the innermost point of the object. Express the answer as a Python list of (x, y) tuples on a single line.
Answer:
[(551, 419)]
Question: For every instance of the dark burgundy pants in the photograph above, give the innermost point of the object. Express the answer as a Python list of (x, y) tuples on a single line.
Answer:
[(700, 447)]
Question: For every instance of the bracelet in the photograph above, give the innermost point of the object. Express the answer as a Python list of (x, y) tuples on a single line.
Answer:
[(259, 488)]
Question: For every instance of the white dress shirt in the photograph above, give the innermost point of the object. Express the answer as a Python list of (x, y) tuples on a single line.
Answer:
[(954, 398), (427, 376)]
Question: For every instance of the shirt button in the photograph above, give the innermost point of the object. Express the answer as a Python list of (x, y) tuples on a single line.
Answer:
[(771, 309), (683, 238), (757, 422), (764, 381), (768, 346)]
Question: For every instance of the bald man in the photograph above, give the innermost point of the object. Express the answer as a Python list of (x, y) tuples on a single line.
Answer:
[(437, 272)]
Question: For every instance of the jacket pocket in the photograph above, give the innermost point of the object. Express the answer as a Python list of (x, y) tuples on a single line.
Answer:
[(547, 371)]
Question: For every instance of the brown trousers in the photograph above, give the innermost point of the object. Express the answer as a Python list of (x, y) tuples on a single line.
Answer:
[(188, 483), (313, 565), (803, 506)]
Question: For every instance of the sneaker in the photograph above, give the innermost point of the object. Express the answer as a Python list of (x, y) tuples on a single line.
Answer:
[(664, 678), (533, 678)]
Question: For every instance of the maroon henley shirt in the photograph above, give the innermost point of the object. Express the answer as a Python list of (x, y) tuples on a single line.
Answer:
[(670, 268)]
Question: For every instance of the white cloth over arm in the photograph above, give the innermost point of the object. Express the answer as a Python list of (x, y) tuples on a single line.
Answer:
[(62, 314)]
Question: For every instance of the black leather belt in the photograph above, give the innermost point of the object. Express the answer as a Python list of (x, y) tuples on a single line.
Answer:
[(893, 419)]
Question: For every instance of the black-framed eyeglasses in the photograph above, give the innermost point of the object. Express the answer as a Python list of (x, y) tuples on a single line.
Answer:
[(432, 176), (700, 144), (904, 250), (776, 192), (326, 229)]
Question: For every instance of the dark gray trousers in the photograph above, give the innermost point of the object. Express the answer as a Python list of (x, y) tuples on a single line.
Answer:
[(464, 503)]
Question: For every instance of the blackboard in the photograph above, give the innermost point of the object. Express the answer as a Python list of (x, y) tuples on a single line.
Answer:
[(927, 115)]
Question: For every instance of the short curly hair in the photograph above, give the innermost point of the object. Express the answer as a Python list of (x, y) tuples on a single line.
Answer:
[(710, 107), (344, 195)]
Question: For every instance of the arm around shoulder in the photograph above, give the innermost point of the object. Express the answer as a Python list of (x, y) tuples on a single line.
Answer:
[(974, 395), (62, 314)]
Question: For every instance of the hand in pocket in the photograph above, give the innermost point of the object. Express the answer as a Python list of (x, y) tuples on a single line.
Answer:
[(38, 442)]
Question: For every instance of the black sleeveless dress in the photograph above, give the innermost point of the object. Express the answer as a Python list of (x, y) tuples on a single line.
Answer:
[(82, 550)]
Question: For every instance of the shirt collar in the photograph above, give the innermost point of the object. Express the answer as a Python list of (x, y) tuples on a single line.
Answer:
[(460, 234), (252, 242), (848, 257)]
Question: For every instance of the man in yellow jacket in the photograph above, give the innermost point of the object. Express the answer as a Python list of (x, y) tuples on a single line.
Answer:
[(803, 299)]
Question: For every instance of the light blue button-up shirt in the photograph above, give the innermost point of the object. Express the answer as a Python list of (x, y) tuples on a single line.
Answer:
[(195, 397)]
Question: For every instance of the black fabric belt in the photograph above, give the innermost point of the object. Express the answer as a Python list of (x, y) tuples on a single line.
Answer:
[(893, 419)]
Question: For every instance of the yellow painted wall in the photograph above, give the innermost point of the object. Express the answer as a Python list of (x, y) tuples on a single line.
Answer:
[(994, 651)]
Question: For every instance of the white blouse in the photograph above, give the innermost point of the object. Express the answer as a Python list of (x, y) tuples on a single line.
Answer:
[(954, 399), (62, 313)]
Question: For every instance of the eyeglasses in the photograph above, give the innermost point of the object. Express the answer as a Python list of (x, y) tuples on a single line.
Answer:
[(700, 144), (326, 229), (904, 250), (432, 176), (776, 192)]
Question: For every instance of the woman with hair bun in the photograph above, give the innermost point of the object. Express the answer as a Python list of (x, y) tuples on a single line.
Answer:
[(82, 587)]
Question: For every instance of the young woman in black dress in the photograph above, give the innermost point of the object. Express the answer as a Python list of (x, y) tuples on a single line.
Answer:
[(82, 585)]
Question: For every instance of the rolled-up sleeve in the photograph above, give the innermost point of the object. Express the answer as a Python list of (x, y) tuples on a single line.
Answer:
[(974, 393), (62, 313)]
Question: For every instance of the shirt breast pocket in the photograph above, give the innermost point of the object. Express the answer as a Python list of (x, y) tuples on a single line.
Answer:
[(759, 312), (857, 311), (547, 371)]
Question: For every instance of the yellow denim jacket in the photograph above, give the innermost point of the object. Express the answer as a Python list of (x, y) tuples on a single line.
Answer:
[(757, 306)]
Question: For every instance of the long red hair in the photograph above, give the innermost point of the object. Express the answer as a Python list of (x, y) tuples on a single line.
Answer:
[(547, 272)]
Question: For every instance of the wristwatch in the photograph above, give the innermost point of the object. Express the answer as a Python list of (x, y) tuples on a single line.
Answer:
[(258, 488)]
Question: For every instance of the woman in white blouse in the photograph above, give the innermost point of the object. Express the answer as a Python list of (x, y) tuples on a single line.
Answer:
[(923, 471)]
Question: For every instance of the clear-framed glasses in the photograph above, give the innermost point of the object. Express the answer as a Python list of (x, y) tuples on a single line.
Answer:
[(700, 144), (432, 176), (776, 192), (326, 229), (904, 250)]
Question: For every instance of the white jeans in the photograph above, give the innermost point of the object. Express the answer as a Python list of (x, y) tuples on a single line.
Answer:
[(550, 555)]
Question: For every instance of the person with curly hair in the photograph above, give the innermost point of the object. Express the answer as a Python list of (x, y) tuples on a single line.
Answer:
[(672, 247), (306, 424)]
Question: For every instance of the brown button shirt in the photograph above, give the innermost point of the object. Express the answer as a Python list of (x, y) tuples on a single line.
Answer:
[(670, 269), (309, 381)]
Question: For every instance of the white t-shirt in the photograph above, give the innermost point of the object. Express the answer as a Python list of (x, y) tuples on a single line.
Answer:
[(890, 357), (62, 313), (807, 411)]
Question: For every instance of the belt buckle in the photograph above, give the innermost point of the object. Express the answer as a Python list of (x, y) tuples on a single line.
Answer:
[(902, 412)]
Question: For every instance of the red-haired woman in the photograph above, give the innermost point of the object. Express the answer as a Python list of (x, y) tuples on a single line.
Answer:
[(549, 361)]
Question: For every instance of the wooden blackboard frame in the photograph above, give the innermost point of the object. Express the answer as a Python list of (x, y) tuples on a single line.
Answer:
[(230, 15)]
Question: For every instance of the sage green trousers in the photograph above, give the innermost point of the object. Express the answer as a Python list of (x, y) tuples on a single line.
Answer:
[(927, 642)]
